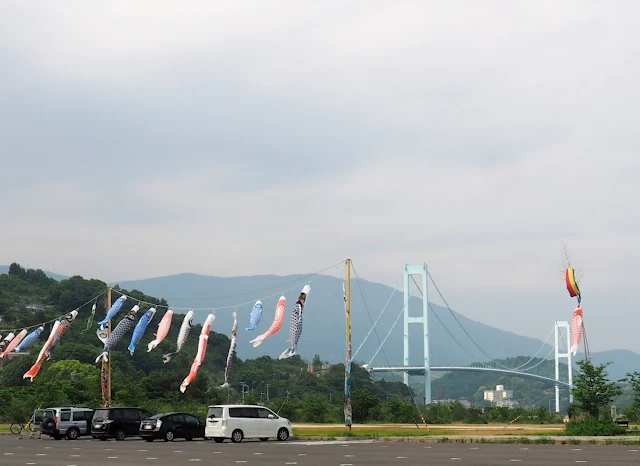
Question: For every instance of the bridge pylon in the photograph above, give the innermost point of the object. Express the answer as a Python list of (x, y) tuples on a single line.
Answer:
[(559, 325), (409, 271)]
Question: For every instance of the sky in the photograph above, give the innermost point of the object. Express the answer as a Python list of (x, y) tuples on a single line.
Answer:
[(235, 138)]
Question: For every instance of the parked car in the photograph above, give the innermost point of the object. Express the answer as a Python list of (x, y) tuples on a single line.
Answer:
[(118, 423), (69, 422), (237, 422), (169, 426)]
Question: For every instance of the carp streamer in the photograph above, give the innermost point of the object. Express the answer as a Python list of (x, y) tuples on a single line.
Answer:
[(295, 328), (275, 325), (118, 333), (185, 328), (232, 348), (202, 350)]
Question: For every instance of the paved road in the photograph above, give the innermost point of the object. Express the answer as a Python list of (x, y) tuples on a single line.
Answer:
[(47, 452)]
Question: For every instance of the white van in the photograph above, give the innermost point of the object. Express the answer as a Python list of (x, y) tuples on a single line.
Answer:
[(245, 421)]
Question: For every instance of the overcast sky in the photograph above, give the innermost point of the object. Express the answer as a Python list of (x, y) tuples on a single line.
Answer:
[(141, 139)]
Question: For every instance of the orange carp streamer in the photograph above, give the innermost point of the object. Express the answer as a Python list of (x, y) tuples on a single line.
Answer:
[(202, 350), (31, 373), (576, 329), (275, 325)]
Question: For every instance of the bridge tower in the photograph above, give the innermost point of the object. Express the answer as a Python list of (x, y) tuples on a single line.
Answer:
[(559, 325), (410, 270)]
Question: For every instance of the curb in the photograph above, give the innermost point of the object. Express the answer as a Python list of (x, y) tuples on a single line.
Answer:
[(501, 439)]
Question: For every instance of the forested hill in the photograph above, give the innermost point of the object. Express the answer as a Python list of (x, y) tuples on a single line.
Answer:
[(71, 377)]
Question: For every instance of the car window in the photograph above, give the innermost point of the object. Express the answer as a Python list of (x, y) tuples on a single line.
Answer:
[(101, 414), (264, 413), (244, 412), (65, 416), (178, 418), (189, 419), (132, 414), (78, 416), (215, 412)]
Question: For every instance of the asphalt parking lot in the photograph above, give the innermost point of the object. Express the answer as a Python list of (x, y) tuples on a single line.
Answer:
[(133, 452)]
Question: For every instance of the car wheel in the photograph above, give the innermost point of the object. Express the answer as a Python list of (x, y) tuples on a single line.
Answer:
[(120, 435), (236, 436), (283, 434), (73, 433), (218, 439), (169, 436)]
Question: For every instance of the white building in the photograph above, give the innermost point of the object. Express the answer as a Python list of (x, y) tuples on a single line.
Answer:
[(499, 396)]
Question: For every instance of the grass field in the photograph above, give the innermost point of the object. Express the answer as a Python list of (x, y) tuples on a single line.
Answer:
[(410, 430)]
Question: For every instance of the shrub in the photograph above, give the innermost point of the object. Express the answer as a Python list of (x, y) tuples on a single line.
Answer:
[(593, 427)]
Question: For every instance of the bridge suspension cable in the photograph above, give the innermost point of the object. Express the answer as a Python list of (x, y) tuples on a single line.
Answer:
[(375, 323)]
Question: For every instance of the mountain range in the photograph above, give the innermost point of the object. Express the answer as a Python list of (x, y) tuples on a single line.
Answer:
[(454, 338)]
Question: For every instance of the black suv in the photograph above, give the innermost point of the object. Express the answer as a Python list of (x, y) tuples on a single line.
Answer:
[(117, 423), (169, 426)]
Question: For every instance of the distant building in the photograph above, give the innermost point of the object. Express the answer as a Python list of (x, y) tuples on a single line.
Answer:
[(499, 396)]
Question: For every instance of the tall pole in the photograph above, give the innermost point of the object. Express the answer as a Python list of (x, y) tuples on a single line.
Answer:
[(348, 413), (106, 367)]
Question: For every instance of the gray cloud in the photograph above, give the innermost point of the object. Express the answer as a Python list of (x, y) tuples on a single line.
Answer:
[(151, 139)]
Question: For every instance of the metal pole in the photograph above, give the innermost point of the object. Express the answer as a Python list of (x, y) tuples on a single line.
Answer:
[(348, 413), (557, 364)]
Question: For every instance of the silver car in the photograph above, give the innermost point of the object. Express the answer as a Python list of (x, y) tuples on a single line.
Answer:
[(69, 422)]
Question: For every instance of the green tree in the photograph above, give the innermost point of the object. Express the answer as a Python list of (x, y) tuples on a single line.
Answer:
[(364, 405), (633, 378), (316, 364), (592, 388)]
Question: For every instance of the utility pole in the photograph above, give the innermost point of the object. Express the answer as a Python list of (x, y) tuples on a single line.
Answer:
[(348, 412), (267, 393), (244, 385), (105, 372)]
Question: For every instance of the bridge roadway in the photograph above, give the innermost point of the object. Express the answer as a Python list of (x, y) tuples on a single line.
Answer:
[(134, 452), (419, 370)]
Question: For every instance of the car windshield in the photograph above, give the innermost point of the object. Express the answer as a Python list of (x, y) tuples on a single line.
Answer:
[(41, 414), (215, 412), (101, 414)]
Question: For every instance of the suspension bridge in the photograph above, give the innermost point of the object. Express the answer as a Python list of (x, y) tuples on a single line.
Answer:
[(533, 368)]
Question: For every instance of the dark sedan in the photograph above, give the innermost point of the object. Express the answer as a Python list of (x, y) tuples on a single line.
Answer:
[(169, 426)]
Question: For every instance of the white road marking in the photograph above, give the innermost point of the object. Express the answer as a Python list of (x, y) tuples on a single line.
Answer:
[(580, 461), (524, 448), (194, 459), (346, 464), (112, 457), (257, 453), (243, 461), (152, 458), (108, 449), (293, 462), (47, 448), (633, 450), (577, 449), (348, 456), (299, 454), (41, 454), (8, 454), (474, 448), (217, 452), (401, 457), (74, 456), (177, 451), (428, 447), (31, 463), (456, 458), (77, 448), (142, 450)]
